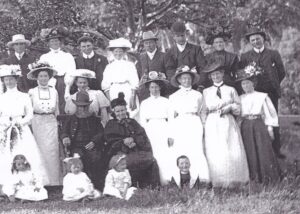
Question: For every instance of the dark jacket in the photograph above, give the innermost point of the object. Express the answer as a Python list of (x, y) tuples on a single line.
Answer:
[(99, 63), (96, 130), (192, 56), (24, 84), (158, 63), (230, 62), (271, 63)]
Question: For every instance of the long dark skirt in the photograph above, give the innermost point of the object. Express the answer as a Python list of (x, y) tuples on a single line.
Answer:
[(263, 165), (60, 87)]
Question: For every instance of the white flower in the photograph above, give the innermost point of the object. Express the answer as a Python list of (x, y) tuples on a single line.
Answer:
[(185, 68), (153, 75)]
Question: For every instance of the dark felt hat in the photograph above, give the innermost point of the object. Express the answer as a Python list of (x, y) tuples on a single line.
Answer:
[(178, 27), (216, 65), (82, 99), (58, 32), (254, 31), (211, 37), (85, 37), (120, 101)]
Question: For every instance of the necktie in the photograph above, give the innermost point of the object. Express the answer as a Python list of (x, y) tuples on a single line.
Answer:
[(219, 91), (20, 56)]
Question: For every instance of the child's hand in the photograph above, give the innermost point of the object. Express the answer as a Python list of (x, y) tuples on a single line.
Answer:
[(170, 142), (90, 146), (36, 189), (81, 190), (271, 132)]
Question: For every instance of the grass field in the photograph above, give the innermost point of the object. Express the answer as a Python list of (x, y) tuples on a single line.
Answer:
[(282, 198)]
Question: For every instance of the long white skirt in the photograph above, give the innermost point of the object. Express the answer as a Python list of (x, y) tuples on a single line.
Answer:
[(45, 131), (225, 151), (187, 132), (157, 131), (25, 145)]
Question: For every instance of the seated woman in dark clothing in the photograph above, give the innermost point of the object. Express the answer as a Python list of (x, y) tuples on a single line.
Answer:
[(125, 135), (83, 134)]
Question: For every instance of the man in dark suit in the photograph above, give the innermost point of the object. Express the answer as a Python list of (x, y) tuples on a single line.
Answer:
[(184, 53), (20, 57), (90, 60), (229, 60), (274, 72), (153, 60)]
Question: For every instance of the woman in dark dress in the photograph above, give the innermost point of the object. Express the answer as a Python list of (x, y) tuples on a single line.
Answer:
[(258, 119), (125, 135)]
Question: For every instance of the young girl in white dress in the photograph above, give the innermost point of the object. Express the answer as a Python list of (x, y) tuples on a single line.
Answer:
[(24, 184), (154, 119), (223, 142), (186, 130), (76, 184), (121, 76), (118, 179)]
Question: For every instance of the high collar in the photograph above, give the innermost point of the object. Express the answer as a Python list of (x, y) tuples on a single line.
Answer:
[(219, 84), (55, 51), (42, 86), (259, 50), (151, 54), (88, 56), (185, 89), (154, 97), (181, 47), (12, 90)]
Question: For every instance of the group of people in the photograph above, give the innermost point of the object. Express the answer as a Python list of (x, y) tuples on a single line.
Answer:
[(183, 118)]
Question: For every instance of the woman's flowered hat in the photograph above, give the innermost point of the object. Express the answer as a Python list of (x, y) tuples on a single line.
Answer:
[(185, 70), (85, 73), (37, 67), (250, 71), (10, 70), (153, 76)]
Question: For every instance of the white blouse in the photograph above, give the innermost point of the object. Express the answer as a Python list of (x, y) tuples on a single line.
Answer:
[(258, 103), (120, 72), (44, 100), (62, 62), (15, 105), (185, 101), (99, 100), (154, 108)]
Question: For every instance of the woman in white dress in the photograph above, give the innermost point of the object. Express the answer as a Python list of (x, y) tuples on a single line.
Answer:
[(154, 119), (15, 136), (99, 102), (44, 100), (258, 117), (223, 142), (121, 76), (186, 130)]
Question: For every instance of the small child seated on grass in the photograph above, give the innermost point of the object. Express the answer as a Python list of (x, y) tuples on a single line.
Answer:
[(118, 179), (24, 184), (76, 184)]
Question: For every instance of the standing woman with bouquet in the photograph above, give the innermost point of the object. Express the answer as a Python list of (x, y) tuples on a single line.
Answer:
[(15, 136)]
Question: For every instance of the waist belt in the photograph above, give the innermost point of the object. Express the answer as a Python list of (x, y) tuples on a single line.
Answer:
[(214, 111), (252, 116), (166, 119), (42, 113)]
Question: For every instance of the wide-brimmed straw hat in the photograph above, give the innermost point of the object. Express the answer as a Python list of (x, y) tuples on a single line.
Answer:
[(10, 70), (153, 76), (36, 68), (185, 70), (18, 38), (82, 99), (119, 43), (149, 35), (249, 72), (85, 73), (254, 31)]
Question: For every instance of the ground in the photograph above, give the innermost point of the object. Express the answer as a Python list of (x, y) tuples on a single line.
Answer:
[(281, 198)]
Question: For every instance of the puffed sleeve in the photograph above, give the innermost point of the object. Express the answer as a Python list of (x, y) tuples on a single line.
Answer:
[(236, 105), (102, 99), (70, 107), (106, 82), (269, 113), (133, 76), (56, 103), (28, 110), (204, 110), (143, 119), (70, 67)]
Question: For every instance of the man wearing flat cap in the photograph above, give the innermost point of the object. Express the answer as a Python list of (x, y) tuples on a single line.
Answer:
[(22, 58), (152, 60), (273, 71), (90, 60), (185, 54)]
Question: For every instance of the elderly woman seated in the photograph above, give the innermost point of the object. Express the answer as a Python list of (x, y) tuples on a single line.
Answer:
[(125, 135)]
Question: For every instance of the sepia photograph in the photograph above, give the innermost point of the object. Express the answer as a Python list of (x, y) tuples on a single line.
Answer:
[(150, 106)]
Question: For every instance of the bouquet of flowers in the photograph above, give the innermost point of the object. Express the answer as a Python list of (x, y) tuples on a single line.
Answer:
[(253, 69)]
